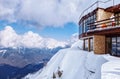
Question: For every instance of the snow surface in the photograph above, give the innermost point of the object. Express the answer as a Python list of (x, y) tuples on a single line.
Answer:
[(75, 63), (111, 69), (78, 44)]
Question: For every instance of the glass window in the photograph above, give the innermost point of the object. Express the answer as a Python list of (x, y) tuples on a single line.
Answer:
[(86, 44), (118, 46), (80, 29), (88, 20), (118, 39), (91, 44), (82, 24), (115, 46), (114, 39)]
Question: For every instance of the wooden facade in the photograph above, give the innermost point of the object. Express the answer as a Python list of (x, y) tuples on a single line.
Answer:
[(104, 28)]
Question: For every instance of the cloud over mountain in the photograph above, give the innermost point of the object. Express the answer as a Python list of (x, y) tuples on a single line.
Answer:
[(40, 12), (9, 38)]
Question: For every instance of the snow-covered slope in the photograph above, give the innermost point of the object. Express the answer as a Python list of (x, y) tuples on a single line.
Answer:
[(73, 63)]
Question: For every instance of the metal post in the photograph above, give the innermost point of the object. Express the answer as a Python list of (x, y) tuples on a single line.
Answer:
[(97, 3), (113, 3)]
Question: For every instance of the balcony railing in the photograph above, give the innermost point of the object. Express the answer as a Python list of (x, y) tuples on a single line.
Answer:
[(104, 24), (98, 3)]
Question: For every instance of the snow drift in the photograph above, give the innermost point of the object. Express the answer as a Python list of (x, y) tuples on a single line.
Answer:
[(74, 64), (111, 69)]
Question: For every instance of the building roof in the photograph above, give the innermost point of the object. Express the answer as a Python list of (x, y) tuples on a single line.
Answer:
[(113, 9)]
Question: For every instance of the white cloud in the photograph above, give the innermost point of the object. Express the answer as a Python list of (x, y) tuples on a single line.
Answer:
[(41, 12), (44, 12), (49, 12), (31, 39), (9, 38)]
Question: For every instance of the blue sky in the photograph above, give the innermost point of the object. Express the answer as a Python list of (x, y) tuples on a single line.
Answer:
[(60, 33)]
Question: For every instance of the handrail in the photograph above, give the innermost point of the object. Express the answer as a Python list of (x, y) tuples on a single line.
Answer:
[(103, 20), (107, 22), (97, 2), (87, 9), (106, 1)]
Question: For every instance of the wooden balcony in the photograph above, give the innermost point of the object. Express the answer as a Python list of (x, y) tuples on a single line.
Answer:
[(105, 27)]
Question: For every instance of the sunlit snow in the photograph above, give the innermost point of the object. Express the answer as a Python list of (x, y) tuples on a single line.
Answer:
[(78, 64)]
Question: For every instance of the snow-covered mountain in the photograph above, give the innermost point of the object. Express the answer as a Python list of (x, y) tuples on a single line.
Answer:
[(74, 63), (20, 50), (30, 48), (74, 38), (21, 57)]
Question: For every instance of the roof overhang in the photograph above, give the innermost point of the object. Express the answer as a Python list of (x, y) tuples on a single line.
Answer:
[(113, 9)]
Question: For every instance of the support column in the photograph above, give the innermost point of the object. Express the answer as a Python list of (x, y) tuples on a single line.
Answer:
[(99, 44), (89, 44), (84, 44)]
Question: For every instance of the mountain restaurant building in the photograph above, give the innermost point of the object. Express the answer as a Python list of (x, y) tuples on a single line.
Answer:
[(100, 30)]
